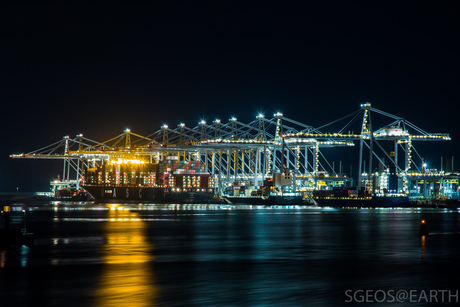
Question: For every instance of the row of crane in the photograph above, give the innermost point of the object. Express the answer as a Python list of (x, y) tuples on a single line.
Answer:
[(252, 152)]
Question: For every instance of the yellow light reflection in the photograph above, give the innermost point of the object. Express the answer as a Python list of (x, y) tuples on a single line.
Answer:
[(2, 258), (127, 278), (422, 247)]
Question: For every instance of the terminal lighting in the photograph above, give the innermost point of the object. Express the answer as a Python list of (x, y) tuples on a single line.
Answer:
[(203, 122), (181, 125), (127, 130), (164, 126), (217, 121), (233, 119), (126, 161), (260, 116), (278, 114)]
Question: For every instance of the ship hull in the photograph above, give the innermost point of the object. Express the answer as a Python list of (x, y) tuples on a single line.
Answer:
[(271, 200), (384, 202), (116, 194), (161, 195), (189, 197), (146, 194)]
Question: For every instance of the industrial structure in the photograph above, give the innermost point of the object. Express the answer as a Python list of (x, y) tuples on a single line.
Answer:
[(277, 155)]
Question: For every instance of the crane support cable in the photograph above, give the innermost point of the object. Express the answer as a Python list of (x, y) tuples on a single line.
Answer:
[(385, 113), (350, 122), (337, 120), (60, 142), (104, 143)]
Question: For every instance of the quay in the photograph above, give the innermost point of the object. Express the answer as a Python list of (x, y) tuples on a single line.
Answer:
[(267, 158)]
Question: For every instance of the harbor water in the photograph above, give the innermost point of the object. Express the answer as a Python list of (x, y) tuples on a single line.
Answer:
[(90, 254)]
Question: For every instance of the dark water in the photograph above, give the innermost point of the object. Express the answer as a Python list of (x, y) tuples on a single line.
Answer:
[(171, 255)]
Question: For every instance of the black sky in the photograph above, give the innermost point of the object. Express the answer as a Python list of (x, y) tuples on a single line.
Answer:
[(98, 67)]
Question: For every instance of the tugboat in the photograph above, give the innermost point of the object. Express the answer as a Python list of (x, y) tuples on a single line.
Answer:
[(68, 190)]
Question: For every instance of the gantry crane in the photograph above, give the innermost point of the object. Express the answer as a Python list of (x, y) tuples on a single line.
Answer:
[(248, 152)]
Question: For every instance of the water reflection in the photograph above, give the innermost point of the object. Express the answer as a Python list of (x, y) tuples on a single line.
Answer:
[(422, 247), (2, 258), (127, 278)]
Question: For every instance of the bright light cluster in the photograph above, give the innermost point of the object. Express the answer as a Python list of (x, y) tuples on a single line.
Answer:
[(126, 161), (392, 131), (443, 137), (293, 140), (234, 141), (324, 135)]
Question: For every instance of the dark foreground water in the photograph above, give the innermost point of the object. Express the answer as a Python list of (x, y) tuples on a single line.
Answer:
[(171, 255)]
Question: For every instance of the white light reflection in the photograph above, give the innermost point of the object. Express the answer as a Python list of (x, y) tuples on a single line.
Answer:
[(24, 256)]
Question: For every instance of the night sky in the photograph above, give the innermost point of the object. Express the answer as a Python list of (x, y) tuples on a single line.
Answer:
[(98, 67)]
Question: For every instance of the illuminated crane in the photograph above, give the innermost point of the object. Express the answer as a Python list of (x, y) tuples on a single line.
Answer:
[(250, 153)]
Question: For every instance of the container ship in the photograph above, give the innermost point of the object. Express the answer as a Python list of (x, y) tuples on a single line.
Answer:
[(354, 198), (278, 190), (134, 180), (383, 189), (174, 181)]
